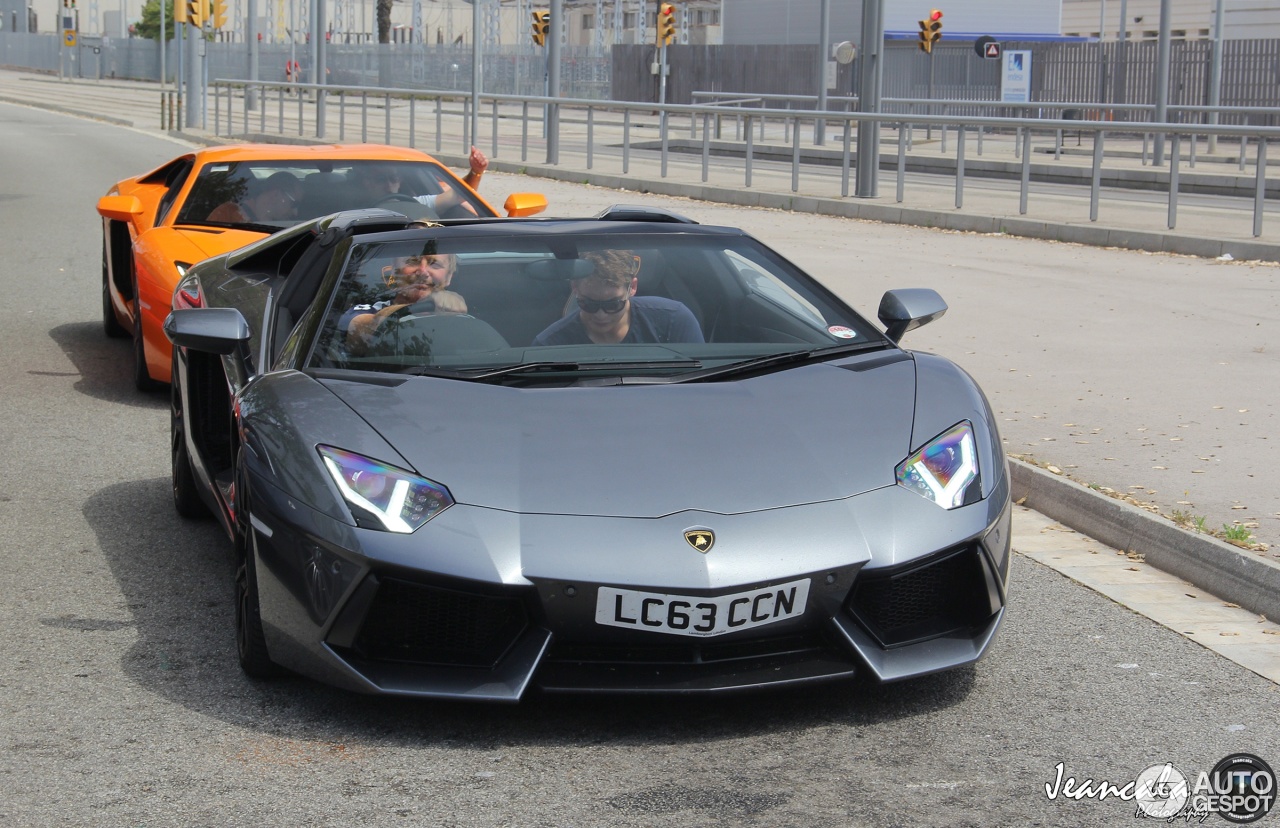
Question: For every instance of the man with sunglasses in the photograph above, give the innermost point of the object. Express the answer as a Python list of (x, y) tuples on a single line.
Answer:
[(608, 310)]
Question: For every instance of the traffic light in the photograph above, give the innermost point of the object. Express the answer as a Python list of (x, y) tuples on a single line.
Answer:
[(930, 31), (541, 26), (219, 14), (666, 24), (197, 11), (179, 11)]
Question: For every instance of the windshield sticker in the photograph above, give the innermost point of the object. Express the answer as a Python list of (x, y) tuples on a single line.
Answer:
[(841, 332)]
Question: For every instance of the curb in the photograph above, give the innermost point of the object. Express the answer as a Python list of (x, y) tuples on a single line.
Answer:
[(66, 110), (1235, 574)]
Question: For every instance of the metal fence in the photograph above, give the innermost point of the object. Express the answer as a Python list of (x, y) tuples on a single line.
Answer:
[(593, 130), (1086, 73)]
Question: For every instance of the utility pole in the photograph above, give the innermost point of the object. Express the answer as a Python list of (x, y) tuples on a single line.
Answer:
[(553, 81), (870, 65), (1215, 73), (1162, 82), (824, 47)]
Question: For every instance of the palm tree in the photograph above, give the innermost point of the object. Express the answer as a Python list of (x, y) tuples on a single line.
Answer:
[(384, 21)]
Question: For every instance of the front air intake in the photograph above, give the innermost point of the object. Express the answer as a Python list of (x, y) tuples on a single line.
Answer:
[(923, 599)]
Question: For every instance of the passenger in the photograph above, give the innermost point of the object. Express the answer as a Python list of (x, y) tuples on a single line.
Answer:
[(413, 279), (609, 311), (378, 181), (274, 198)]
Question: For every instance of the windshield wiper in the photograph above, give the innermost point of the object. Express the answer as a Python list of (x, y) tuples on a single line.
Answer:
[(784, 359), (482, 374)]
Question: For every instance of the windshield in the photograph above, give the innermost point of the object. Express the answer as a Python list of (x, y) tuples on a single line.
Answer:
[(279, 194), (543, 305)]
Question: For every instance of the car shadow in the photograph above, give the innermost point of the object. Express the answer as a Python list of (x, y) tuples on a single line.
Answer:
[(104, 366), (176, 574)]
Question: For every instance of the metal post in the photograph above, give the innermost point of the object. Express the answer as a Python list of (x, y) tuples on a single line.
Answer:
[(251, 43), (1173, 182), (1026, 172), (476, 57), (1260, 186), (824, 47), (1215, 74), (870, 65), (553, 81), (1095, 184), (960, 167), (1162, 80), (902, 160)]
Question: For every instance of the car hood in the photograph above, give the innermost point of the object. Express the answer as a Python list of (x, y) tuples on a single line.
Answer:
[(803, 435), (214, 241)]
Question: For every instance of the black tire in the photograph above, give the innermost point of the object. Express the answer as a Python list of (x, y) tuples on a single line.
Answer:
[(186, 497), (251, 643), (110, 324)]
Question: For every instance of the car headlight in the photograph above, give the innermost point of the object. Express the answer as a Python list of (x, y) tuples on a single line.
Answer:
[(944, 468), (381, 496)]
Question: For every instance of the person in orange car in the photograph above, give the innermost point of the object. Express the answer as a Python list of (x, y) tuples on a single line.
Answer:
[(274, 198), (380, 181)]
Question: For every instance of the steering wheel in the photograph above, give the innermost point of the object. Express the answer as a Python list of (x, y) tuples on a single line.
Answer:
[(423, 307), (392, 198)]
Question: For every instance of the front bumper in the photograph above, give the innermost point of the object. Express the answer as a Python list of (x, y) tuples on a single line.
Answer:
[(341, 604)]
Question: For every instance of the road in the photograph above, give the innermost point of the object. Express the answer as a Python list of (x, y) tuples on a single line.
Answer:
[(120, 700)]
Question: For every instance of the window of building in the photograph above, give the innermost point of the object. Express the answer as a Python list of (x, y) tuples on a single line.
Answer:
[(588, 21)]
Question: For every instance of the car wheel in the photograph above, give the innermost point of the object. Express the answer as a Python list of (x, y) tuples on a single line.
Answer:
[(110, 324), (186, 497), (251, 643)]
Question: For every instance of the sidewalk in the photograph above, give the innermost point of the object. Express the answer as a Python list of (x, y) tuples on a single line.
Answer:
[(1248, 581)]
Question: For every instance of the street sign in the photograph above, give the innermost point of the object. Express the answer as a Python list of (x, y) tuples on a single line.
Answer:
[(68, 37), (987, 47), (992, 52), (1015, 81)]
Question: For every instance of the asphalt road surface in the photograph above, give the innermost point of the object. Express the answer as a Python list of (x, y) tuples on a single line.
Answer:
[(121, 703)]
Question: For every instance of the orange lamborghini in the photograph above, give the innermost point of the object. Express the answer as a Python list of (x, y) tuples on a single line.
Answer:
[(211, 201)]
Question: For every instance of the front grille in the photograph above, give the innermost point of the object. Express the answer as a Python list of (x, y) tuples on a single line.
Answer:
[(696, 651), (421, 624), (923, 600)]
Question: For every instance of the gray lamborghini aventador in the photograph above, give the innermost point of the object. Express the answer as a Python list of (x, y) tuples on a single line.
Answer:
[(619, 454)]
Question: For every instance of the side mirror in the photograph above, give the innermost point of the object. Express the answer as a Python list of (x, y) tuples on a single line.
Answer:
[(909, 308), (519, 205), (119, 208), (220, 331)]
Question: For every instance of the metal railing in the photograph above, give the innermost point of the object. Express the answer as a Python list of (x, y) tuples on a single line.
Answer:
[(591, 127)]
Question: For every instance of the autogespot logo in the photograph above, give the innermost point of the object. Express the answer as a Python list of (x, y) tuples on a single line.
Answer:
[(1241, 789)]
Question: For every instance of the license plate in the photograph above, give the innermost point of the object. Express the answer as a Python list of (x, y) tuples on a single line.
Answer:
[(700, 616)]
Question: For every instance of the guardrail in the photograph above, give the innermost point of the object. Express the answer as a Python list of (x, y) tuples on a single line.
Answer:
[(594, 126)]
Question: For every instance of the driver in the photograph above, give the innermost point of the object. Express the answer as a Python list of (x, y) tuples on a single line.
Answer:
[(378, 182), (413, 279)]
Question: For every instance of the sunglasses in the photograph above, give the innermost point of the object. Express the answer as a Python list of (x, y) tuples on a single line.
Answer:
[(609, 306)]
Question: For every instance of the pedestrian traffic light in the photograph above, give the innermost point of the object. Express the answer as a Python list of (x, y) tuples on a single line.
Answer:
[(197, 11), (219, 14), (930, 31), (666, 24), (541, 26)]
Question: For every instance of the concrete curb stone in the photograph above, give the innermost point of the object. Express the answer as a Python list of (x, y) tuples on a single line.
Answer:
[(1245, 578)]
